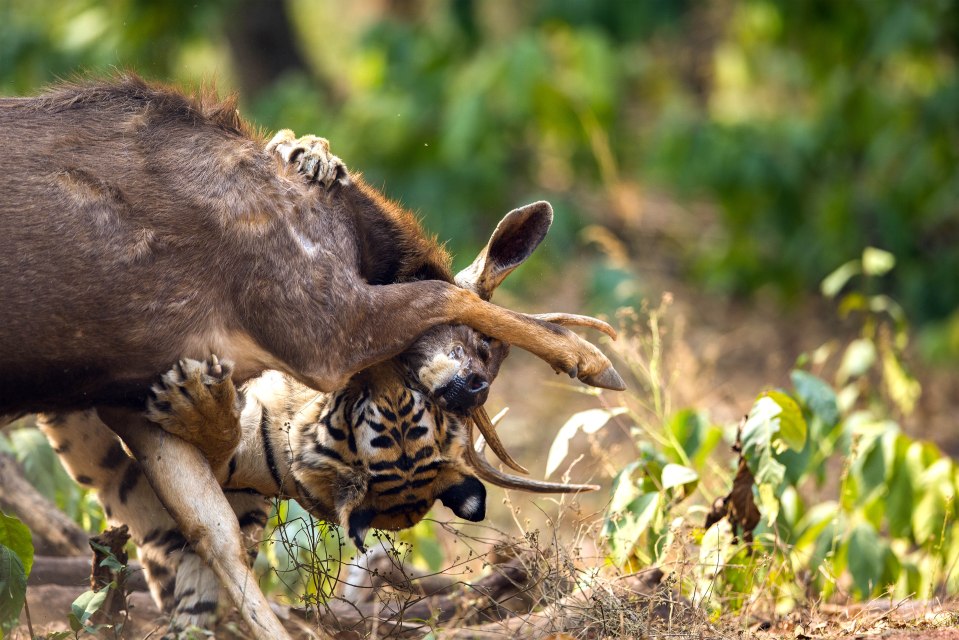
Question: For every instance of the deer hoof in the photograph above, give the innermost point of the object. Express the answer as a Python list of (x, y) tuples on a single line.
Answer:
[(608, 378)]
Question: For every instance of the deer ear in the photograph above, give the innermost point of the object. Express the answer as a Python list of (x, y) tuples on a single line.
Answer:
[(514, 240)]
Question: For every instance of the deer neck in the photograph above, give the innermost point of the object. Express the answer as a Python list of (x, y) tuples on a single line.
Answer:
[(391, 244)]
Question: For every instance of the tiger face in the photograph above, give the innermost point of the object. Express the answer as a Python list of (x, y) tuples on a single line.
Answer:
[(382, 450)]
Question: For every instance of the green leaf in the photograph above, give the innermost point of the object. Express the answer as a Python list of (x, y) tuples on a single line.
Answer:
[(109, 559), (86, 604), (935, 505), (15, 535), (817, 396), (769, 470), (13, 588), (625, 527), (876, 262), (835, 281), (768, 503), (866, 559), (695, 434), (761, 425), (774, 419), (717, 547), (900, 500), (589, 421)]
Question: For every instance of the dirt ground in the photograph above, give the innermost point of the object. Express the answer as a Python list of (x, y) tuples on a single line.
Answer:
[(722, 351)]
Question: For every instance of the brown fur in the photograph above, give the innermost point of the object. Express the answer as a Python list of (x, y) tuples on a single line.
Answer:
[(139, 226)]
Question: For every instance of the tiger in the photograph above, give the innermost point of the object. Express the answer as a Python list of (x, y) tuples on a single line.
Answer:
[(379, 451), (376, 453)]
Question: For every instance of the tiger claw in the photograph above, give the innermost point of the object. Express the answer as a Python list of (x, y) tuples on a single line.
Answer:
[(310, 156)]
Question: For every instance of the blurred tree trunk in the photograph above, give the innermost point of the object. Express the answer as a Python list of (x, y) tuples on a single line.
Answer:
[(705, 24), (263, 47)]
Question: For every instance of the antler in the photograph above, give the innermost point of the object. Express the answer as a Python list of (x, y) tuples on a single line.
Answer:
[(476, 459), (488, 430), (574, 320)]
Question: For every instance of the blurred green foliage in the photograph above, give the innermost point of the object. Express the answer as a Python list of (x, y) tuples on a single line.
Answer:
[(817, 128)]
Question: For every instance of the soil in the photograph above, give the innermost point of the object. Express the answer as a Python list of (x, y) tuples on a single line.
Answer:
[(721, 353)]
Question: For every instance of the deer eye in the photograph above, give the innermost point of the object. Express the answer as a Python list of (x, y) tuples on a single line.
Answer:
[(483, 350)]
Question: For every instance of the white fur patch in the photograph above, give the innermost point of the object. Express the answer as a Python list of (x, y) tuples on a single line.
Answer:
[(309, 247), (438, 371), (471, 506)]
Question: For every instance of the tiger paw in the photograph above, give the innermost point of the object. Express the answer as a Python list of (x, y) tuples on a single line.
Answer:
[(311, 157), (197, 401)]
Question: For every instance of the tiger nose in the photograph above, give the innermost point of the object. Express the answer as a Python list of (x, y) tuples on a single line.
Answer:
[(467, 393)]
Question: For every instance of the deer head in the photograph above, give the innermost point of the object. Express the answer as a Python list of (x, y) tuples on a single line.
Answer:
[(413, 418)]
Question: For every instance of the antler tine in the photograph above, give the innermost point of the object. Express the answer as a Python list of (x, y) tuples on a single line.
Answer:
[(484, 470), (574, 320), (486, 427)]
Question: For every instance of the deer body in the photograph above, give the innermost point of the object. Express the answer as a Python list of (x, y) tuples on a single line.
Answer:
[(139, 227)]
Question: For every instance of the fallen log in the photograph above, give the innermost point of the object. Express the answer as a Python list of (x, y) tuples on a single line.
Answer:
[(54, 534), (74, 571)]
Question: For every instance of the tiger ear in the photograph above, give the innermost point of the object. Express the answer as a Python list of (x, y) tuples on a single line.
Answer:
[(467, 499), (514, 240)]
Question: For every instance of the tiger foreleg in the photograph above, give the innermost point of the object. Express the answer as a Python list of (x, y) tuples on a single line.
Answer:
[(185, 485)]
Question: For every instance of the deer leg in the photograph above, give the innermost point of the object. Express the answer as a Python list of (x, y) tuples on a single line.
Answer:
[(384, 320), (185, 485)]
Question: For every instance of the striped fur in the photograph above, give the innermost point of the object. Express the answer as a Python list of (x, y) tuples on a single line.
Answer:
[(377, 453)]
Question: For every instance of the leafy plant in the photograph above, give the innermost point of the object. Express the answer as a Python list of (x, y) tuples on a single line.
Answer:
[(16, 560), (830, 496)]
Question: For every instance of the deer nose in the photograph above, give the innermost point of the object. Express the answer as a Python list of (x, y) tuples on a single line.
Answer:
[(465, 393)]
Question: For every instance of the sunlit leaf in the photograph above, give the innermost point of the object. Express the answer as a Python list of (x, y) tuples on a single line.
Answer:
[(876, 262), (675, 475), (857, 360), (589, 421), (716, 547), (792, 425), (901, 386), (626, 526), (936, 502), (835, 281), (761, 425), (624, 488), (86, 604), (695, 434), (768, 502)]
